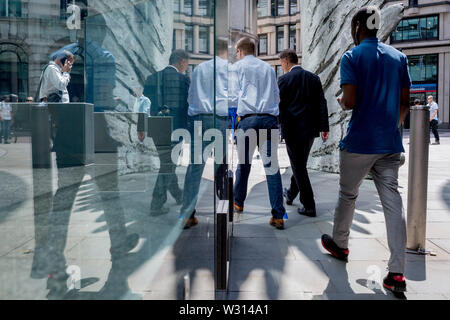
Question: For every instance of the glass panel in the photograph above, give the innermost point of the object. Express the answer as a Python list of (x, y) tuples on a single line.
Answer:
[(263, 44), (423, 68), (99, 186), (280, 8), (189, 38), (293, 37), (203, 40), (262, 8), (176, 6), (188, 8), (203, 7), (280, 38), (293, 7), (432, 27)]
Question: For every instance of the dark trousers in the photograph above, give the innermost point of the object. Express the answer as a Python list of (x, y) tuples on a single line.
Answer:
[(270, 161), (196, 167), (434, 124), (298, 151), (167, 179), (6, 127)]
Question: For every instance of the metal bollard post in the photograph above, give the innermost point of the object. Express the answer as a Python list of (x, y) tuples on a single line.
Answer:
[(418, 178)]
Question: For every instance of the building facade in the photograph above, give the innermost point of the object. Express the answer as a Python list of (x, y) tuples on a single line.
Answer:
[(424, 36), (278, 29)]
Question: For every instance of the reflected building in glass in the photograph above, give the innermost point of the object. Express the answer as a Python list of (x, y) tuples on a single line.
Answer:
[(91, 191)]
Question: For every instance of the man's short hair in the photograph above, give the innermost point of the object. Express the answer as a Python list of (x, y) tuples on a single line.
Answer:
[(246, 45), (368, 17), (290, 55), (177, 56), (430, 97), (417, 102)]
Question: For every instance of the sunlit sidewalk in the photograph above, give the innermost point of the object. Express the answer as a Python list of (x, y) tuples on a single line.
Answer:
[(266, 263)]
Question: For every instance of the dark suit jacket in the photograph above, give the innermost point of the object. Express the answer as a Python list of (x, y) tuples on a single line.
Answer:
[(174, 89), (303, 108)]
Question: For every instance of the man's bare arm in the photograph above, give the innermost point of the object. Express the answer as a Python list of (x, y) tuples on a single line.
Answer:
[(404, 105), (348, 100)]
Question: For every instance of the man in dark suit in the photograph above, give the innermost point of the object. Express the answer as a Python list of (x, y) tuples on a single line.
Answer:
[(168, 90), (303, 117)]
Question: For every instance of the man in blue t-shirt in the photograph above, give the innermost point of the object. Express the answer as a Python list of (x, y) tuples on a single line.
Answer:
[(376, 84)]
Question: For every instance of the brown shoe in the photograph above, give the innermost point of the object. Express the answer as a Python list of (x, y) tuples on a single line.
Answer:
[(191, 222), (277, 223), (238, 208)]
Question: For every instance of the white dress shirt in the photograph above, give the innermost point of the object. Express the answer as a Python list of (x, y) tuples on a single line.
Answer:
[(201, 90), (258, 87), (142, 105), (53, 81), (433, 107)]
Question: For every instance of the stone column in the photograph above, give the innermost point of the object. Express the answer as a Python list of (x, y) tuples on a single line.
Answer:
[(196, 31), (326, 37), (286, 36)]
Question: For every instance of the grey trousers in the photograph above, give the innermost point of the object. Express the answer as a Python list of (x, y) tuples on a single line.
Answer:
[(384, 169)]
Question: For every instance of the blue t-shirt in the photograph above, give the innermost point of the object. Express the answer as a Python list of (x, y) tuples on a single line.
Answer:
[(379, 72)]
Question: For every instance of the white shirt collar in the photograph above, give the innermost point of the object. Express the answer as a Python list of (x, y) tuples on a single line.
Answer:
[(171, 66), (296, 66)]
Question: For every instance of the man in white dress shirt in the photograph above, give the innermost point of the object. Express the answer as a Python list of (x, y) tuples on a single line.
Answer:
[(258, 101), (55, 79)]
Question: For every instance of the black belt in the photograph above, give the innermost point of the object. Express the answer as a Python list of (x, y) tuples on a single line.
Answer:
[(257, 115)]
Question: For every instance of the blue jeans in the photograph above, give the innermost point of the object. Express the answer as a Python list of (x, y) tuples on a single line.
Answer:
[(264, 144), (195, 170), (6, 125)]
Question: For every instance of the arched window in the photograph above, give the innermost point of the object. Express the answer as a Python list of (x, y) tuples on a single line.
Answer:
[(13, 71)]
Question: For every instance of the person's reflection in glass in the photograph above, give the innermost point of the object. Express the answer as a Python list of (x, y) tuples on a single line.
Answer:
[(168, 92), (100, 75), (142, 103), (201, 111)]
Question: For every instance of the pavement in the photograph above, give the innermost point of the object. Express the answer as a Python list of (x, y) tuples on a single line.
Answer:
[(265, 263)]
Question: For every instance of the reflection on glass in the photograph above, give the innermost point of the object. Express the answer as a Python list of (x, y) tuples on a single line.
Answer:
[(416, 29), (95, 184)]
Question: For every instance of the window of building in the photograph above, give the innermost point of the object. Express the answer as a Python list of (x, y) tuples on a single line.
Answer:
[(423, 68), (413, 3), (279, 71), (203, 39), (189, 38), (280, 38), (262, 46), (204, 7), (262, 8), (174, 40), (13, 71), (293, 37), (188, 7), (176, 6), (417, 29), (277, 8), (293, 7), (190, 70), (10, 8)]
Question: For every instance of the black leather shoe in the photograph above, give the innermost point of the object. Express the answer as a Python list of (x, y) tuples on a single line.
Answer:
[(307, 212), (285, 195)]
